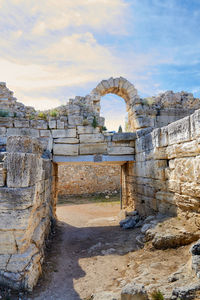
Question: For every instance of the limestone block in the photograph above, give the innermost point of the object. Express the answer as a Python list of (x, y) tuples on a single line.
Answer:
[(23, 131), (126, 136), (184, 169), (195, 124), (87, 130), (99, 148), (23, 170), (7, 242), (15, 219), (38, 124), (23, 144), (120, 150), (18, 262), (63, 133), (2, 131), (190, 188), (179, 131), (66, 141), (45, 133), (196, 162), (174, 186), (75, 120), (6, 122), (164, 136), (21, 123), (60, 124), (143, 121), (65, 149), (187, 203), (91, 138), (3, 261), (166, 197), (16, 198), (40, 232), (52, 124)]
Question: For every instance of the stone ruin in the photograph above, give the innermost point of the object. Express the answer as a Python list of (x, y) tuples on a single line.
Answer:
[(159, 159)]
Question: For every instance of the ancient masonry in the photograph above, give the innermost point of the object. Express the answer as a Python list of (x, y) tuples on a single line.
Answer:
[(159, 159)]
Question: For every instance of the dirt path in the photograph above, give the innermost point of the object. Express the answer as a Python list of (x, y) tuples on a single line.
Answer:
[(91, 257), (88, 255)]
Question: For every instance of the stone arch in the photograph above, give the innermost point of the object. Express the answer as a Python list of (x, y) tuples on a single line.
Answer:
[(118, 86)]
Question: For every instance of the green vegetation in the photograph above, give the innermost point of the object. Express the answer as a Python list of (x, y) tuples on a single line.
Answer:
[(53, 113), (157, 295), (4, 113), (120, 129), (103, 128), (42, 115), (94, 122)]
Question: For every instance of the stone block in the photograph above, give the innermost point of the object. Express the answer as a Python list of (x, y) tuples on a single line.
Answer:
[(21, 123), (2, 131), (23, 169), (52, 124), (166, 197), (120, 150), (7, 242), (91, 138), (164, 136), (187, 203), (75, 120), (3, 141), (143, 121), (63, 133), (195, 124), (60, 124), (6, 122), (38, 124), (15, 219), (23, 144), (23, 131), (66, 141), (87, 130), (2, 175), (18, 262), (133, 291), (3, 261), (124, 136), (99, 148), (45, 133), (179, 131), (65, 149)]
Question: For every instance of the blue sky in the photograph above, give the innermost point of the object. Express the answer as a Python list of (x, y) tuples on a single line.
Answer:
[(53, 50)]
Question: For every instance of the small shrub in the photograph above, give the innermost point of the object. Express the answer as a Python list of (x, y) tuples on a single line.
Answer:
[(120, 129), (4, 113), (53, 113), (42, 115), (157, 295), (15, 115), (94, 122), (103, 128), (32, 117)]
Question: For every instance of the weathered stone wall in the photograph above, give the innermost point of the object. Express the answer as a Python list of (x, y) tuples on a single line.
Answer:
[(25, 211), (162, 177), (166, 172), (78, 179)]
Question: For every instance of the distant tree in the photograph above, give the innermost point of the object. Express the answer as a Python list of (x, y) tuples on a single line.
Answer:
[(120, 129)]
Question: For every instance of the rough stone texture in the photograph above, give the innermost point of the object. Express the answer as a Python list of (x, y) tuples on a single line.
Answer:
[(88, 179), (164, 178), (133, 291)]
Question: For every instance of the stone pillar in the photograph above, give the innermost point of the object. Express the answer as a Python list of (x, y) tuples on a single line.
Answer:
[(25, 211)]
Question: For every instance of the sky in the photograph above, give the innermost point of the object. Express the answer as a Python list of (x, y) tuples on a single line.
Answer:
[(53, 50)]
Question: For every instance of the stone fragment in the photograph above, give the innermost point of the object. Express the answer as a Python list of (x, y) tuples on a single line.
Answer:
[(179, 131)]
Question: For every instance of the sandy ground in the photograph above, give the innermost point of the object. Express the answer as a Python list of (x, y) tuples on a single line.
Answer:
[(91, 257)]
